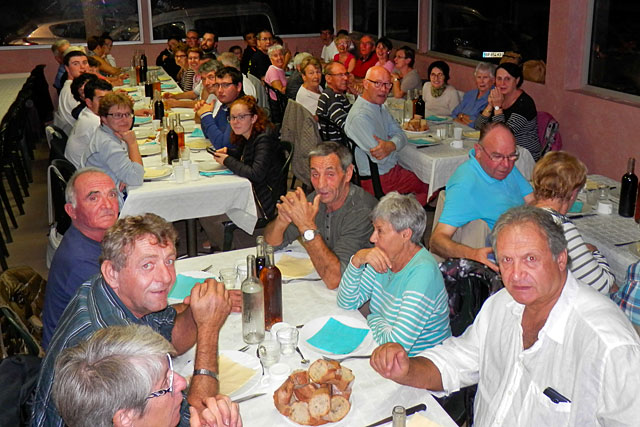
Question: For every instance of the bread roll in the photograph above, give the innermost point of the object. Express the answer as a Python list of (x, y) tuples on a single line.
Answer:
[(339, 409)]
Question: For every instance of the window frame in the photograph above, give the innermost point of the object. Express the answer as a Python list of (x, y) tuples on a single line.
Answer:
[(381, 23)]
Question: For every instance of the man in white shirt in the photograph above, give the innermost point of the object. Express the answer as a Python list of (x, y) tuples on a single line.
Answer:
[(546, 351), (76, 63), (329, 48)]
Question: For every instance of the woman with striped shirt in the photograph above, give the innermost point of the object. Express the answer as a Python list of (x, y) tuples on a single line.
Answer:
[(557, 179), (511, 105), (409, 304)]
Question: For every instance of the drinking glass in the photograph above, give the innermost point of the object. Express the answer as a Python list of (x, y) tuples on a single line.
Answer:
[(228, 276), (288, 339), (269, 352)]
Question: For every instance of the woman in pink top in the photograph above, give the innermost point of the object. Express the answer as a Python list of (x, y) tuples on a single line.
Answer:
[(275, 75), (343, 56), (383, 50)]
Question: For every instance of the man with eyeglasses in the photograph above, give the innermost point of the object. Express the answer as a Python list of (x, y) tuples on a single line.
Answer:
[(137, 272), (379, 138), (367, 57), (192, 39), (333, 105), (260, 61), (483, 187), (227, 87)]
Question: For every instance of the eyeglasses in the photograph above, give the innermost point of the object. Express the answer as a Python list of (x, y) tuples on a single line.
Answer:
[(400, 57), (224, 86), (379, 85), (436, 76), (120, 115), (180, 56), (166, 390), (497, 157), (239, 117)]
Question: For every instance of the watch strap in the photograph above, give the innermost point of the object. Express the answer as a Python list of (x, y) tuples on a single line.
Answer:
[(206, 372)]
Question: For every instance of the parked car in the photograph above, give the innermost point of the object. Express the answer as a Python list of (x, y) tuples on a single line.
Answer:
[(72, 30)]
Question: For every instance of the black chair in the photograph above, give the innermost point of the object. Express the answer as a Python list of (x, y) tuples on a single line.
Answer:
[(278, 106), (230, 227), (60, 172), (57, 139)]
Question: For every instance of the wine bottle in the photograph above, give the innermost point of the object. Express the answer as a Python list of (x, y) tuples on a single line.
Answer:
[(158, 106), (260, 259), (143, 67), (628, 190), (173, 149), (420, 106), (252, 305), (271, 279), (180, 132), (162, 139)]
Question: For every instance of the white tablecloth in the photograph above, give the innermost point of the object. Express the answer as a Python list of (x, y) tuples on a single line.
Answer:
[(373, 396), (10, 85)]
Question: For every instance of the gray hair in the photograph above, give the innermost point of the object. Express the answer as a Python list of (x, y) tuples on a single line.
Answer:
[(487, 67), (297, 60), (115, 369), (541, 218), (70, 195), (229, 59), (210, 65), (55, 47), (331, 147), (402, 211), (275, 48)]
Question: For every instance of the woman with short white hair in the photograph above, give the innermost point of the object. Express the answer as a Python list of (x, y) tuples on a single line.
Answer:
[(474, 101), (275, 75)]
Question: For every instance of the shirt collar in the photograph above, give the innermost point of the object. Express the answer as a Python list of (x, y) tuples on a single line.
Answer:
[(556, 323)]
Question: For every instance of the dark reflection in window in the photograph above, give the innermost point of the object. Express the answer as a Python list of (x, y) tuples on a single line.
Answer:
[(365, 16), (401, 20)]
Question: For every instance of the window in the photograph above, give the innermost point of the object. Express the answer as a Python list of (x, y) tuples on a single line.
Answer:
[(399, 17), (32, 22), (233, 19), (475, 29), (615, 49)]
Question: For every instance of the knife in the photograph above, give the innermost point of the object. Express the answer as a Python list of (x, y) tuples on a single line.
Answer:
[(251, 396), (410, 411), (580, 216)]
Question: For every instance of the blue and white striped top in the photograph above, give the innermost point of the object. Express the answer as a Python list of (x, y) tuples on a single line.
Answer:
[(409, 307)]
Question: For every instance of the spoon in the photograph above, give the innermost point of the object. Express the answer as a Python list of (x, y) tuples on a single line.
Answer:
[(302, 359)]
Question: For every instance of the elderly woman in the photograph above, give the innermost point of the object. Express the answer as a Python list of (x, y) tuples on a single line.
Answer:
[(343, 56), (474, 101), (255, 153), (511, 105), (123, 376), (557, 179), (275, 75), (405, 77), (409, 304), (113, 147), (309, 93), (194, 59), (439, 97), (295, 79), (383, 50)]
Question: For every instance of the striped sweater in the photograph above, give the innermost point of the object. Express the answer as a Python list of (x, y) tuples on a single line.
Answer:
[(409, 307)]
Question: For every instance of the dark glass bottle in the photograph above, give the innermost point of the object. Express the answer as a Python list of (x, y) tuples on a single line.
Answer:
[(158, 106), (628, 190), (420, 106), (271, 279), (260, 259), (143, 68), (173, 149)]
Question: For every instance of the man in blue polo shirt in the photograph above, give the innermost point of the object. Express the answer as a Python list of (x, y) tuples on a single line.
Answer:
[(483, 187)]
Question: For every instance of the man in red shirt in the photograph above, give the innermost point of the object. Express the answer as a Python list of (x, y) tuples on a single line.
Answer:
[(367, 58)]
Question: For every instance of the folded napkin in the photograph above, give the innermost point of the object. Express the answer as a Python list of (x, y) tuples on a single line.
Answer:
[(167, 85), (182, 288), (576, 207), (434, 118), (197, 133), (421, 141), (142, 120), (164, 78), (350, 338), (126, 81), (419, 420), (224, 172), (294, 267)]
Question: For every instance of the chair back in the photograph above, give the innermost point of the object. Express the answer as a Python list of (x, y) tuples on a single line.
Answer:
[(548, 133), (59, 173), (277, 106), (57, 140)]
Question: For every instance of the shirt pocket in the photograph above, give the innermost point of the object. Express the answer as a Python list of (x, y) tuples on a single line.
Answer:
[(543, 412)]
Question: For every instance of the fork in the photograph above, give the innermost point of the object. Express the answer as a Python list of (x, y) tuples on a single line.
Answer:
[(342, 359)]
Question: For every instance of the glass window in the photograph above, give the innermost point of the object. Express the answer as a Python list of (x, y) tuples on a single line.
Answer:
[(401, 20), (227, 19), (33, 22), (615, 46), (478, 29), (365, 16)]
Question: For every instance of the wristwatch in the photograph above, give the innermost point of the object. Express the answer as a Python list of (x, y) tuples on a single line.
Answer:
[(309, 235), (495, 107), (206, 372)]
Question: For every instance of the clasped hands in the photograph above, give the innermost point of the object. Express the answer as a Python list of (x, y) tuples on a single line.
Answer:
[(496, 98), (294, 208)]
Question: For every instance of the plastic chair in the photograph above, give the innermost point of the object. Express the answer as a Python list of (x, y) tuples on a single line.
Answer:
[(58, 174), (277, 106), (57, 140)]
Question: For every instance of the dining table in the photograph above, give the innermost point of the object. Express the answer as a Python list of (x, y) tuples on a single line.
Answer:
[(306, 300), (10, 86)]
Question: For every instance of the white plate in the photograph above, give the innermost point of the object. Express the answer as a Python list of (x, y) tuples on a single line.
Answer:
[(416, 133), (165, 172), (313, 326), (209, 166), (149, 149), (346, 421), (196, 144), (144, 132)]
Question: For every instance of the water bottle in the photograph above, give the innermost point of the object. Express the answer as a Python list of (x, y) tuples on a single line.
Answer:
[(252, 305)]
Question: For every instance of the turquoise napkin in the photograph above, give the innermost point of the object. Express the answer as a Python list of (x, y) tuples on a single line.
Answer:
[(167, 85), (433, 118), (420, 141), (182, 288), (576, 207), (224, 172), (126, 81), (197, 133), (338, 338), (141, 120)]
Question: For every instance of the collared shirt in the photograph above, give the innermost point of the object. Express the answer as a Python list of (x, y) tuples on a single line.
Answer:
[(308, 99), (587, 351), (471, 105), (628, 297), (66, 103), (335, 107), (81, 134), (329, 51), (94, 306), (365, 120), (361, 68), (472, 194)]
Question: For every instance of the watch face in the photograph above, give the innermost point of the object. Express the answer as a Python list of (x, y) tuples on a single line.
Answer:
[(309, 235)]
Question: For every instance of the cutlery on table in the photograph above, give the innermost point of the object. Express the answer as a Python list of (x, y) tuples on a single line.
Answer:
[(251, 396), (626, 243), (341, 359), (245, 348), (302, 359), (409, 411), (580, 216), (300, 279), (207, 269)]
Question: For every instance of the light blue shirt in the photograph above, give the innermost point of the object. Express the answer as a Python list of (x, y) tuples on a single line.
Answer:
[(366, 119), (472, 194), (471, 105)]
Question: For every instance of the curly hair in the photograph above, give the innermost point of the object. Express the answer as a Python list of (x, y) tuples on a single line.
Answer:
[(557, 175), (260, 126)]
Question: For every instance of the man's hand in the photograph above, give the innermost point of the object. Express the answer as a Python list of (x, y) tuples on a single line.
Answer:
[(219, 411), (375, 257), (283, 216), (383, 149), (302, 213), (463, 118), (167, 95), (591, 247), (204, 108), (235, 296), (482, 255), (143, 112), (210, 304), (391, 361), (199, 104)]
